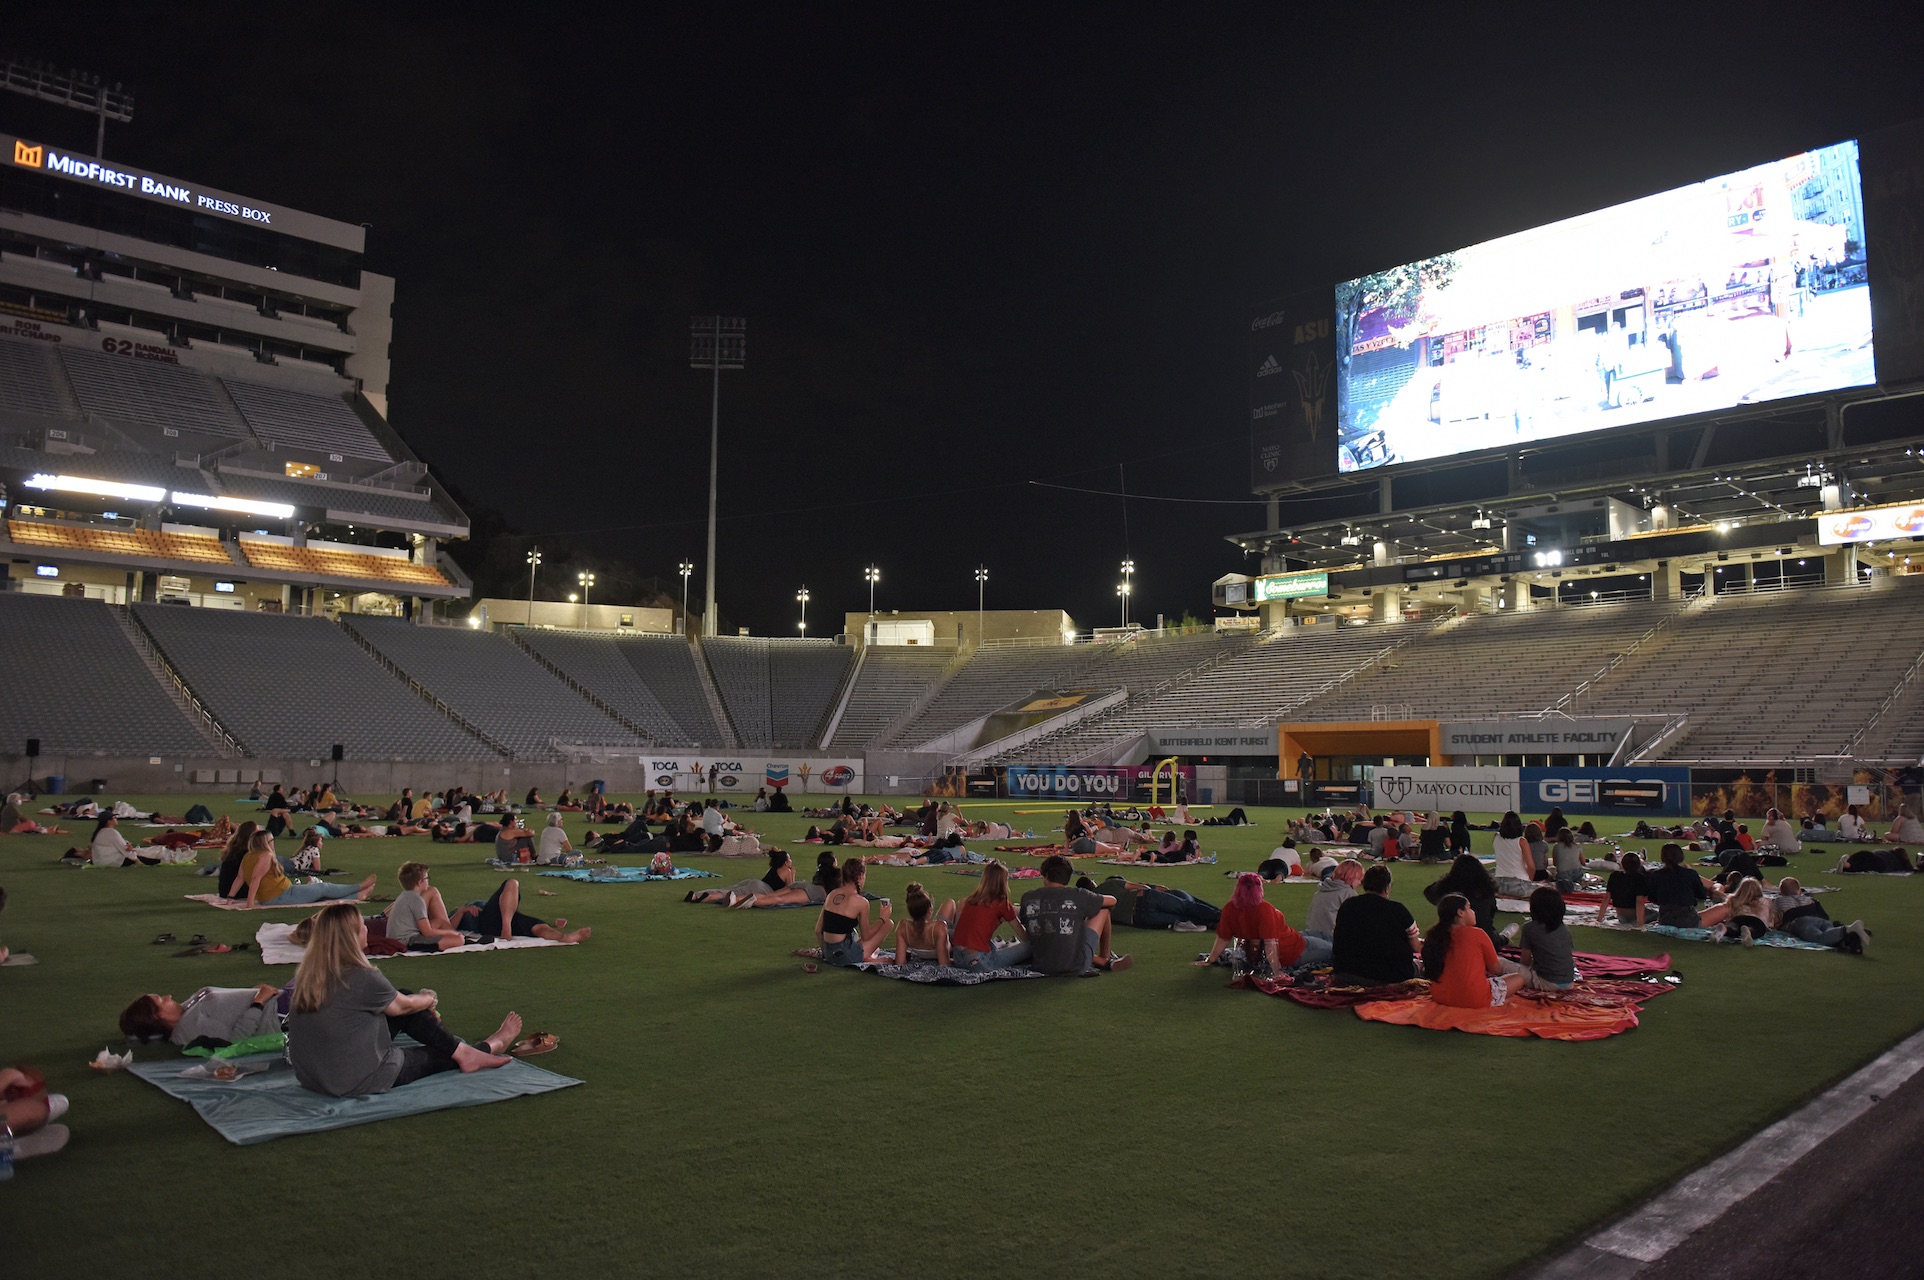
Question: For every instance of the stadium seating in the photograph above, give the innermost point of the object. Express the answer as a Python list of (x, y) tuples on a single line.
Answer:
[(324, 424), (600, 663), (143, 543), (31, 381), (144, 393), (803, 678), (75, 681), (1478, 665), (892, 679), (740, 666), (328, 562), (292, 687), (493, 685), (994, 677)]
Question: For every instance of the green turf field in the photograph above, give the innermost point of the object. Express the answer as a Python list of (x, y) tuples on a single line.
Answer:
[(742, 1117)]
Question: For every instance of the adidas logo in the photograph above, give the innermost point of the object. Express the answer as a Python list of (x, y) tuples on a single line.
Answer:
[(1267, 367)]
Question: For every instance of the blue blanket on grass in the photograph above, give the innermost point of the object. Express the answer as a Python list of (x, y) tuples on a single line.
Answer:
[(628, 875), (1788, 941), (271, 1104)]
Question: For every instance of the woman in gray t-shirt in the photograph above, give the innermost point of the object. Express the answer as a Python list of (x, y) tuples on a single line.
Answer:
[(340, 1032)]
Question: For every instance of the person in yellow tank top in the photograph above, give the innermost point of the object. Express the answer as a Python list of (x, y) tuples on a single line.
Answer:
[(268, 886)]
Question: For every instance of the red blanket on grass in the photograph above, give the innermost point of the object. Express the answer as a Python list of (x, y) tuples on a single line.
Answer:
[(1594, 1009)]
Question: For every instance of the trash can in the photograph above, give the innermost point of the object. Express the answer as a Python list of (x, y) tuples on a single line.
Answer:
[(98, 786), (55, 784)]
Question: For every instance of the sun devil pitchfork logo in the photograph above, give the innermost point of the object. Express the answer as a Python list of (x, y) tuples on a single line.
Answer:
[(1312, 391)]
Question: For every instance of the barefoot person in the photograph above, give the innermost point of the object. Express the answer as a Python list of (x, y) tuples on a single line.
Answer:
[(418, 917), (345, 1015), (847, 935), (500, 917), (265, 884)]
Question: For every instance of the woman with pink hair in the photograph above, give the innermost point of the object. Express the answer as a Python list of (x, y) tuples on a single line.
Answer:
[(1263, 932)]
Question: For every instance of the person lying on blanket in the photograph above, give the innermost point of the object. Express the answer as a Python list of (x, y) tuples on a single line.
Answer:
[(1068, 927), (1154, 906), (846, 934), (1798, 913), (972, 942), (262, 882), (1079, 838), (828, 878), (1376, 936), (345, 1015), (217, 1016), (500, 917), (1676, 890), (780, 875), (1463, 968), (1253, 921)]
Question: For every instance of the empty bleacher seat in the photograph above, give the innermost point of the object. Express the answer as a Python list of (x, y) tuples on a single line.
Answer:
[(292, 687), (31, 381), (325, 424), (146, 393), (145, 543), (328, 562), (892, 679), (803, 678), (740, 666), (599, 663), (496, 687), (75, 681)]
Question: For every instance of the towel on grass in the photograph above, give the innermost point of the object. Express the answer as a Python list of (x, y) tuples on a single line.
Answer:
[(275, 948), (1775, 938), (1554, 1019), (268, 1102), (629, 875), (240, 904), (947, 975)]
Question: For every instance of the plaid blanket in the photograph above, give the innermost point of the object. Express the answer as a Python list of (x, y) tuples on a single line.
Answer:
[(947, 975), (629, 875)]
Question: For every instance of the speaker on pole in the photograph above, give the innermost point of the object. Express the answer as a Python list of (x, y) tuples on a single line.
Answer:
[(340, 753), (33, 748)]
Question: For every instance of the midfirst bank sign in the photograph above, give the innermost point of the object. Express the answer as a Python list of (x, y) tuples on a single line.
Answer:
[(181, 195)]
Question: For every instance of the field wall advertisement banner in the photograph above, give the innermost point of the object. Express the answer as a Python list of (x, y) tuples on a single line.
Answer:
[(1871, 524), (1750, 792), (744, 775), (1292, 391), (1735, 291), (1088, 783), (1472, 790), (1635, 791)]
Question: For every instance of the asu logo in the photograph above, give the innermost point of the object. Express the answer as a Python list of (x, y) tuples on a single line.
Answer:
[(31, 157), (1312, 388)]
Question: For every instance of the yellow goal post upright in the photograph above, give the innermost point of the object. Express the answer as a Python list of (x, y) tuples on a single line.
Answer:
[(1155, 781)]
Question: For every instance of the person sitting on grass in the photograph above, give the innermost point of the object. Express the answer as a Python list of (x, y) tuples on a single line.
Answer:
[(1464, 970), (1780, 833), (1469, 877), (1801, 915), (15, 822), (1750, 913), (1629, 890), (780, 875), (1675, 890), (110, 849), (1850, 826), (1332, 891), (1079, 839), (924, 936), (1905, 828), (847, 936), (1255, 923), (230, 860), (1549, 960), (1187, 851), (972, 941), (554, 847), (1566, 860), (219, 1016), (1516, 868), (1375, 936), (345, 1015), (265, 884), (500, 918), (418, 917), (1068, 927)]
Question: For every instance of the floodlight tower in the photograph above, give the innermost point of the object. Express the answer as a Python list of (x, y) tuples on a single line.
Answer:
[(1122, 590), (587, 581), (1128, 578), (981, 586), (534, 562), (801, 598), (715, 343), (871, 575), (685, 569)]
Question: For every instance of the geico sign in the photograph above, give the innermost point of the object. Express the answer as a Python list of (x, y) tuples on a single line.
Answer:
[(1615, 791)]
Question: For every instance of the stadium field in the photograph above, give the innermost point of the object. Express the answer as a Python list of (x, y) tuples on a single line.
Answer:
[(743, 1117)]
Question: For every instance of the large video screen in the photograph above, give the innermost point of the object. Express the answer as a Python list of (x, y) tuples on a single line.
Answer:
[(1742, 289)]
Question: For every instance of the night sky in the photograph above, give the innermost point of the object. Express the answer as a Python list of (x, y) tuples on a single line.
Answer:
[(977, 248)]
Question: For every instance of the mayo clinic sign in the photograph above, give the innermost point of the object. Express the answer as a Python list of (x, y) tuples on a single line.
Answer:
[(179, 195)]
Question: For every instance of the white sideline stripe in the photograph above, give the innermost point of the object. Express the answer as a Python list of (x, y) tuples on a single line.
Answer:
[(1700, 1198)]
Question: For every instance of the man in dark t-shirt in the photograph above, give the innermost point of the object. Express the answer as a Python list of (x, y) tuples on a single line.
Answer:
[(1375, 937), (1068, 927)]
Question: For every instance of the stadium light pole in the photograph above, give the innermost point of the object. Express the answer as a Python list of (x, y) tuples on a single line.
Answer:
[(715, 343), (686, 569), (587, 581), (871, 575), (981, 586), (801, 597), (1122, 590), (534, 562), (1128, 577)]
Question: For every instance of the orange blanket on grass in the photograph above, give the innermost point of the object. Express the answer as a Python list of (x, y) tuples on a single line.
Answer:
[(1545, 1019)]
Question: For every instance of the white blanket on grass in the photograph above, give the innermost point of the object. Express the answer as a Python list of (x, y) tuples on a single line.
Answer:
[(276, 949)]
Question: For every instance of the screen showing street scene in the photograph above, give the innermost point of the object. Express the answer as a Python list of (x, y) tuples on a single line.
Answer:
[(1734, 291)]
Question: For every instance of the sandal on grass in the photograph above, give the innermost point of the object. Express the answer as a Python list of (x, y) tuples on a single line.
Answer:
[(538, 1043), (163, 939)]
